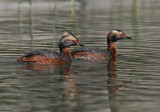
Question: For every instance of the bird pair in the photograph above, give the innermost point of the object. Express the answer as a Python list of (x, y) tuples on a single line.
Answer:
[(43, 56)]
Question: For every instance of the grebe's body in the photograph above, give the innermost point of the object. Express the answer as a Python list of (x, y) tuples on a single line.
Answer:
[(92, 54), (43, 56)]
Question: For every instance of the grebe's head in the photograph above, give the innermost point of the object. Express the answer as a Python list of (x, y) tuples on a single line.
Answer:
[(68, 39), (115, 35)]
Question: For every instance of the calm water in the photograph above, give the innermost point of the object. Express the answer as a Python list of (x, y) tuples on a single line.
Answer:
[(130, 83)]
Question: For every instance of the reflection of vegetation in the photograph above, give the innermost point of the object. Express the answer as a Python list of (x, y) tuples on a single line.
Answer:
[(54, 21), (31, 24), (73, 14), (135, 18), (92, 17), (143, 4), (152, 7), (112, 14), (113, 9), (20, 19), (73, 7), (121, 9)]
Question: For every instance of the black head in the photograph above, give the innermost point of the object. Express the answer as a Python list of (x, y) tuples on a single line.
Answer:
[(67, 40), (115, 35)]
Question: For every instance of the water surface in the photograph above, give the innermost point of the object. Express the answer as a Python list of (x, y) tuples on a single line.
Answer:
[(128, 83)]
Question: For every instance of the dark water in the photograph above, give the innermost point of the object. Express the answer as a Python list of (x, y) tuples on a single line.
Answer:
[(129, 83)]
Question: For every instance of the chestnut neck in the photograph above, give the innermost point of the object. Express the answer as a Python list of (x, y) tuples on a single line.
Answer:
[(67, 52), (112, 48)]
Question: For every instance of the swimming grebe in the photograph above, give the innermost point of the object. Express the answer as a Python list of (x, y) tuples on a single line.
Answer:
[(92, 54), (43, 56)]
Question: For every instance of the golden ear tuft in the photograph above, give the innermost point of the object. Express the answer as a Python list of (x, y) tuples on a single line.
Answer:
[(65, 34)]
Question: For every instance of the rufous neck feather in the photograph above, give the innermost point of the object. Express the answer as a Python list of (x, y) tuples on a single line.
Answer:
[(67, 52), (112, 48)]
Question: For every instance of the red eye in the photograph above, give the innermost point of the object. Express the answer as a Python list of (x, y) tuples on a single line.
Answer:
[(76, 41), (122, 35)]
